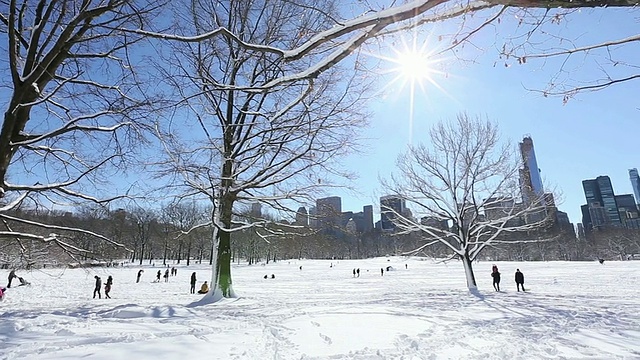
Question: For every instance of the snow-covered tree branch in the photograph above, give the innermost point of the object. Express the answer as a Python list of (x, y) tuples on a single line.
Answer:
[(74, 107)]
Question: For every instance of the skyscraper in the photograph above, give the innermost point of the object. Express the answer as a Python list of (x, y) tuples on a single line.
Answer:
[(608, 198), (368, 218), (391, 205), (256, 210), (302, 217), (635, 183), (601, 201), (329, 211), (530, 179), (628, 211)]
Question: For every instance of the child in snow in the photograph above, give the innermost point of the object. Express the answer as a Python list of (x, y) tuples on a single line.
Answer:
[(495, 274), (204, 288), (166, 275), (2, 290), (107, 287)]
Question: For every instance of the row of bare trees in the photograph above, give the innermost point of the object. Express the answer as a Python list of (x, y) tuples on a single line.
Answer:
[(149, 236)]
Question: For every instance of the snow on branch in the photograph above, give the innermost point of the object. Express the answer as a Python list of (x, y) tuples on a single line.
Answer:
[(52, 237)]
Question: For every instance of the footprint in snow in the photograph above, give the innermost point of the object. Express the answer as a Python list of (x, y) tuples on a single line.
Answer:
[(326, 339)]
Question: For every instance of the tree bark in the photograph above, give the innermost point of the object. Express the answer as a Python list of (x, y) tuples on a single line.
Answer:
[(468, 271)]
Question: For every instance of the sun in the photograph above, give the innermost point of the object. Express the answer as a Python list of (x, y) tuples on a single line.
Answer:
[(414, 66), (414, 63)]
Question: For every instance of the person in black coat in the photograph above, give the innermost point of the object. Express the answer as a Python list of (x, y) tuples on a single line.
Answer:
[(139, 275), (495, 274), (519, 280), (12, 275), (98, 287), (193, 282)]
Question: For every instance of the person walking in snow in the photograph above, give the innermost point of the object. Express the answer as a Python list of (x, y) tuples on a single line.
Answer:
[(519, 280), (495, 274), (139, 275), (166, 275), (98, 287), (107, 287), (381, 271), (158, 274), (354, 272), (358, 272), (193, 282), (12, 275)]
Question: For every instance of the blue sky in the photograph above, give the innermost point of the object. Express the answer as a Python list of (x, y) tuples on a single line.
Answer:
[(595, 133)]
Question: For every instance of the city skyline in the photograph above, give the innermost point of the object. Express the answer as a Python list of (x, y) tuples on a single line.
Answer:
[(574, 214)]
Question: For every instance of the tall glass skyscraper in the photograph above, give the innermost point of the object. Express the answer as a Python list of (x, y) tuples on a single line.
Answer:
[(635, 183), (600, 197), (608, 198), (530, 179)]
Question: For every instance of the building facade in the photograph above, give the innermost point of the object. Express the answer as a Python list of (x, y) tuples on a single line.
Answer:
[(390, 206), (599, 194), (530, 179), (329, 212), (302, 217), (635, 183)]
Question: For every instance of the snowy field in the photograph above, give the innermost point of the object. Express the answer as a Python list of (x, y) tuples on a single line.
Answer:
[(580, 310)]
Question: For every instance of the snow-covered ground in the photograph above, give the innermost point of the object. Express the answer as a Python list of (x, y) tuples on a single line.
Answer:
[(577, 310)]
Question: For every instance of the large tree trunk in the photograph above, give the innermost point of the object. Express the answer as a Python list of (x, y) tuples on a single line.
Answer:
[(141, 253), (468, 271), (189, 253), (164, 256), (221, 281)]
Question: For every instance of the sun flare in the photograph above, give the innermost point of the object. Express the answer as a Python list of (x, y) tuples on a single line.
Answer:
[(414, 66)]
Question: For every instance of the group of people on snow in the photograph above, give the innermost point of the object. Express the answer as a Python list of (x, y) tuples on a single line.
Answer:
[(495, 274), (107, 287), (203, 289)]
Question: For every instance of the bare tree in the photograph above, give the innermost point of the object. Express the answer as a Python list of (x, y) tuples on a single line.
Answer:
[(246, 143), (74, 105), (143, 220), (464, 191), (184, 216)]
